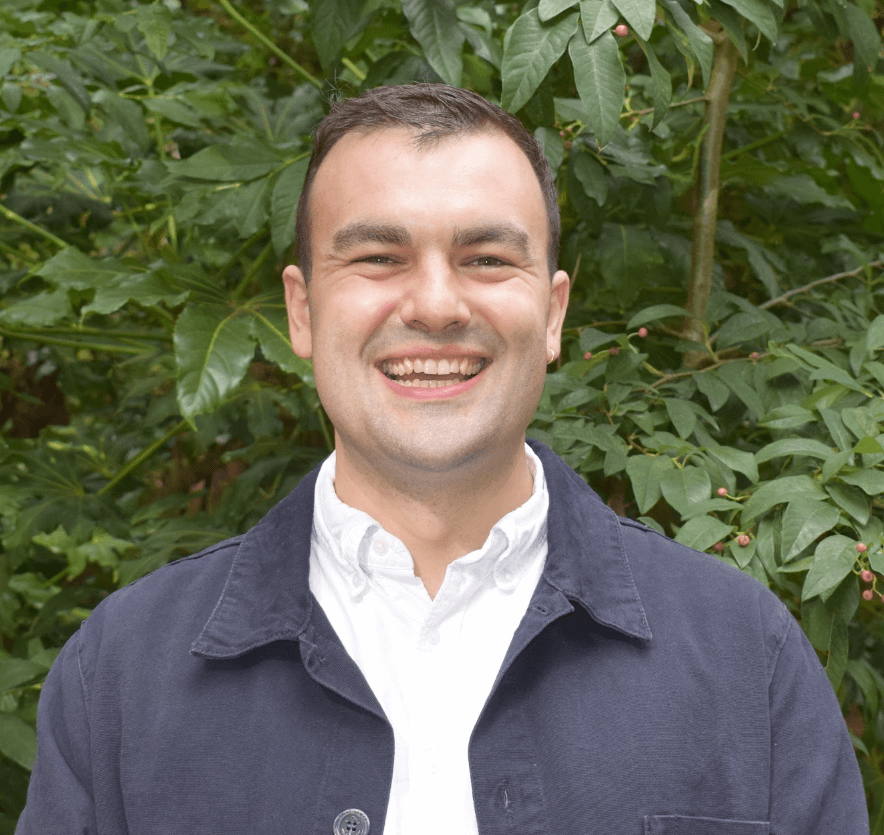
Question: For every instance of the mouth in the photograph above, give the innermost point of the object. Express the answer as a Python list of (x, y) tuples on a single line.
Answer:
[(431, 373)]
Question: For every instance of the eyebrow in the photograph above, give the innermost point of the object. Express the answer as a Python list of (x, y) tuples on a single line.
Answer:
[(496, 233), (359, 233), (362, 232)]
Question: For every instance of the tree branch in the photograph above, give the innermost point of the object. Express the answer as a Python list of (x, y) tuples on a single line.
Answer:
[(706, 195), (829, 279)]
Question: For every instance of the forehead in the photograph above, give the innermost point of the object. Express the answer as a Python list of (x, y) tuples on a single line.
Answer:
[(383, 175)]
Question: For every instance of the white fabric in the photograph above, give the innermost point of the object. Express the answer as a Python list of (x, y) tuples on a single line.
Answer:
[(430, 662)]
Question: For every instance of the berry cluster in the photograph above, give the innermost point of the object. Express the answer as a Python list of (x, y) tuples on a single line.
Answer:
[(866, 574)]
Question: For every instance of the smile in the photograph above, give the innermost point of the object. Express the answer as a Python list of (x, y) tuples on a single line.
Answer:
[(430, 373)]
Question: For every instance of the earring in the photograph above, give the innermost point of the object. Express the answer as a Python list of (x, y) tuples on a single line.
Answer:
[(552, 356)]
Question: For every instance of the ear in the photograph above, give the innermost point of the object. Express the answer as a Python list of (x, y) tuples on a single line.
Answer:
[(298, 306), (560, 288)]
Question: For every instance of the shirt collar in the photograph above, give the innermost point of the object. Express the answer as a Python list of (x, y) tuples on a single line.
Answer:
[(358, 546), (267, 595)]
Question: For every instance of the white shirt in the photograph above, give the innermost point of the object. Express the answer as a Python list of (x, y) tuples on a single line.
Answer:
[(430, 662)]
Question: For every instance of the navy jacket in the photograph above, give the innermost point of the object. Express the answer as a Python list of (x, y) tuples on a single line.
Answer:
[(648, 689)]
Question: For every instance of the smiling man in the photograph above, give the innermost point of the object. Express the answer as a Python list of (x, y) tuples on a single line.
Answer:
[(442, 629)]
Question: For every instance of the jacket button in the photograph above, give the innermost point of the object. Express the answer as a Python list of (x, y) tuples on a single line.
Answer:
[(351, 822)]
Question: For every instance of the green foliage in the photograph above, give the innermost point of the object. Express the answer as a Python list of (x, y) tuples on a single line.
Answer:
[(151, 160)]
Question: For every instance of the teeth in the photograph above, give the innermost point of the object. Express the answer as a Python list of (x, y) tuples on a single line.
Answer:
[(427, 384), (465, 367)]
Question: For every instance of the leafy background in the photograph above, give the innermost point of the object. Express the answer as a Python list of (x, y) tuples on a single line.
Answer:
[(721, 170)]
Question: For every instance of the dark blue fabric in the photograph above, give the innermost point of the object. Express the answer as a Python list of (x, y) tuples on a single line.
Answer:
[(649, 690)]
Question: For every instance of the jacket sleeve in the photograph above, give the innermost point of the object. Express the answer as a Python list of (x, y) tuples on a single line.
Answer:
[(816, 788), (60, 797)]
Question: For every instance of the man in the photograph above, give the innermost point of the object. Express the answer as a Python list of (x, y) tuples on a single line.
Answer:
[(442, 629)]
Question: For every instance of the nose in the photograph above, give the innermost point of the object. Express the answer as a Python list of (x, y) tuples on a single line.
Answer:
[(435, 299)]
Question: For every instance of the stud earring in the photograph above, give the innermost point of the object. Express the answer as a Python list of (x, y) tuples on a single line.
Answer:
[(552, 356)]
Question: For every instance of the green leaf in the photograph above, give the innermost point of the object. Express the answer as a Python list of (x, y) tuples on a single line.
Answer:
[(174, 110), (333, 25), (732, 24), (683, 487), (590, 174), (683, 417), (269, 326), (876, 561), (717, 393), (851, 500), (787, 417), (793, 446), (8, 56), (74, 269), (213, 350), (601, 83), (868, 446), (530, 48), (284, 205), (598, 16), (639, 15), (827, 631), (14, 672), (804, 189), (805, 519), (864, 34), (833, 560), (155, 23), (699, 43), (875, 334), (870, 482), (645, 473), (759, 13), (776, 492), (38, 311), (734, 377), (735, 459), (434, 26), (655, 314), (18, 740), (661, 90), (702, 532), (548, 9), (228, 163)]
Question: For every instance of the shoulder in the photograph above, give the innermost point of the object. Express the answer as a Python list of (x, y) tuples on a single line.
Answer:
[(685, 591)]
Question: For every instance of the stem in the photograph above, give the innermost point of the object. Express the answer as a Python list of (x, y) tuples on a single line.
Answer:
[(142, 456), (11, 215), (247, 278), (706, 217), (829, 279), (353, 68), (70, 343), (270, 45)]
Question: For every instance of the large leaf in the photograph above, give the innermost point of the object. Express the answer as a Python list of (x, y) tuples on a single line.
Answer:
[(601, 82), (661, 89), (759, 13), (434, 26), (702, 532), (684, 487), (269, 325), (213, 349), (598, 17), (794, 446), (699, 43), (548, 9), (15, 672), (805, 519), (833, 560), (284, 205), (228, 163), (530, 48), (639, 15), (645, 472), (333, 25), (18, 741), (864, 34)]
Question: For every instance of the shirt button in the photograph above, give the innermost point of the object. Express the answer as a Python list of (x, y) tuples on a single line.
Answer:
[(380, 547), (351, 822)]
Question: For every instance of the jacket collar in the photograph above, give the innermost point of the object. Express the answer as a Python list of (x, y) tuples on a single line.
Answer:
[(267, 595)]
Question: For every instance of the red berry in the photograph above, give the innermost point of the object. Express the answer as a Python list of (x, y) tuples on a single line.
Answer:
[(743, 540), (718, 547), (587, 355), (754, 355), (867, 576), (856, 114), (568, 144), (642, 332), (621, 30), (722, 491), (868, 594), (861, 547), (614, 351)]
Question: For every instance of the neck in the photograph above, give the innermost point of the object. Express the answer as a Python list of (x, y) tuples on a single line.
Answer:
[(438, 516)]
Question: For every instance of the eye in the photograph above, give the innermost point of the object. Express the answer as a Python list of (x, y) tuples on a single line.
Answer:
[(488, 261), (380, 260)]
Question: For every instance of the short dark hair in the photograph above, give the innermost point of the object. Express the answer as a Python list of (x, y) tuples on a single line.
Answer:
[(434, 112)]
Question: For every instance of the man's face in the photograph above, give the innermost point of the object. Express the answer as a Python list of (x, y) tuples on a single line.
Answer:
[(430, 311)]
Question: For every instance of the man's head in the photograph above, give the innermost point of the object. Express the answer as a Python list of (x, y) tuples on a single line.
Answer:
[(433, 112), (431, 312)]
